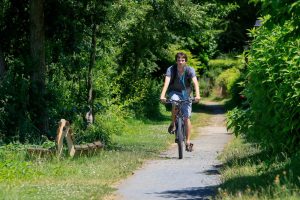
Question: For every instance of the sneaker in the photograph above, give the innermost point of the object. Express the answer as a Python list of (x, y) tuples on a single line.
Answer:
[(189, 147), (171, 129)]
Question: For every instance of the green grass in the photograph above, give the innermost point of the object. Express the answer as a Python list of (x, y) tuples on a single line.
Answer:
[(225, 63), (253, 173), (92, 177)]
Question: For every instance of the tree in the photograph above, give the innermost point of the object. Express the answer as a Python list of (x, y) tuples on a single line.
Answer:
[(38, 104), (92, 49), (95, 17), (2, 66)]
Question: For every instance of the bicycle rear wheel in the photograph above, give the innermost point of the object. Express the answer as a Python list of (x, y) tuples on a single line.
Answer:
[(180, 138)]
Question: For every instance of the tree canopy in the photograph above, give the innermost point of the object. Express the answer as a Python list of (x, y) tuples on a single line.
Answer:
[(65, 59)]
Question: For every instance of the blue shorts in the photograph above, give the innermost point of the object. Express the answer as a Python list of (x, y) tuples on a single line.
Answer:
[(186, 108)]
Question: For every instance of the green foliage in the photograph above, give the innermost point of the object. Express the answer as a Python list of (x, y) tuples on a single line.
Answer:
[(238, 98), (205, 86), (281, 11), (238, 120), (15, 122), (272, 87), (152, 43), (81, 177), (250, 172), (225, 63), (108, 122), (144, 102), (132, 48), (227, 79), (192, 59), (205, 41), (217, 66), (237, 95), (12, 163), (216, 74)]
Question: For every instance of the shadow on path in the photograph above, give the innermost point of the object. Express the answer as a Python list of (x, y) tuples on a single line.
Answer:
[(199, 193), (212, 109)]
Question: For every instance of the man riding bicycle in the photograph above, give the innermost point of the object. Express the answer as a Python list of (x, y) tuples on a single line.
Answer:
[(178, 84)]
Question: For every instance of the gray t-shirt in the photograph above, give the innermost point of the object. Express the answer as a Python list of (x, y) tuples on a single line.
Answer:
[(180, 82)]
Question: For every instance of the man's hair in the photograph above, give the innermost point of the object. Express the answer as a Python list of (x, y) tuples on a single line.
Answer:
[(181, 54)]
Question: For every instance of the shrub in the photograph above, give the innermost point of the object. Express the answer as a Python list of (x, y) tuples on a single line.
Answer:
[(145, 101), (205, 86), (107, 122), (273, 89), (227, 79), (225, 63), (15, 122), (216, 68)]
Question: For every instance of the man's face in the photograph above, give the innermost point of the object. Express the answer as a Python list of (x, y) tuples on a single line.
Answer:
[(181, 61)]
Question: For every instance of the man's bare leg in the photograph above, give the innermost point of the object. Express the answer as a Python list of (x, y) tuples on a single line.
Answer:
[(173, 117), (189, 145), (188, 130)]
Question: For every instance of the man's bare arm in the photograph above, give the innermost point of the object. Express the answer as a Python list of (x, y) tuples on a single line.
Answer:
[(196, 86), (164, 90)]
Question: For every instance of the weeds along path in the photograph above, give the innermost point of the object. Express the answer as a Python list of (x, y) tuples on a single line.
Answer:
[(195, 176)]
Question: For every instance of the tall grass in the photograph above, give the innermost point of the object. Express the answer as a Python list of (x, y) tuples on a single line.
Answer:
[(251, 172), (85, 177)]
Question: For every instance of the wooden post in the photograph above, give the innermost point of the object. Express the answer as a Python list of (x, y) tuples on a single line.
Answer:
[(62, 132), (70, 143), (59, 136)]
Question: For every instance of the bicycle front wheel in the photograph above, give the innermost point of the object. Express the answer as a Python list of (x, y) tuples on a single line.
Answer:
[(180, 138)]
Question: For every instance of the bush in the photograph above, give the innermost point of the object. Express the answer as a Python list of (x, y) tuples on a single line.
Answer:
[(205, 86), (215, 68), (15, 122), (225, 63), (107, 122), (226, 80), (145, 101), (13, 165), (237, 98), (272, 89)]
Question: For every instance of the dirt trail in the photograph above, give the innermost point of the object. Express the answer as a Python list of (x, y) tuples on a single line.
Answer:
[(195, 176)]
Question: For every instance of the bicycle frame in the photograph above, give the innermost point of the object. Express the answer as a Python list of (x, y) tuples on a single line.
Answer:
[(180, 133)]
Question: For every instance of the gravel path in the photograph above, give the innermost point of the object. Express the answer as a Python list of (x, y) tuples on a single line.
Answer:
[(193, 177)]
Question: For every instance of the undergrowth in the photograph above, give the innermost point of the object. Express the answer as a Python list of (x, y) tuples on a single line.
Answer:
[(251, 172), (93, 177)]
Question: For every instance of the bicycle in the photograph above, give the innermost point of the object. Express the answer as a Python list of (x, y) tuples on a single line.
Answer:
[(180, 131)]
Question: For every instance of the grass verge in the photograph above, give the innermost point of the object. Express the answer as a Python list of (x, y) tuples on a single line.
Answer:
[(253, 173), (86, 177)]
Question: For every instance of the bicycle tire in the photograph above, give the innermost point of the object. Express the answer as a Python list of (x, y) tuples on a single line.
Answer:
[(180, 138)]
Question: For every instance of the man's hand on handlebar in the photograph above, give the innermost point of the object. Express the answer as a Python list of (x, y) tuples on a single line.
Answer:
[(197, 99), (163, 99)]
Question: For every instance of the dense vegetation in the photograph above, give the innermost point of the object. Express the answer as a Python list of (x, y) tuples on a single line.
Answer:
[(262, 162), (251, 172), (100, 64), (67, 59), (272, 80)]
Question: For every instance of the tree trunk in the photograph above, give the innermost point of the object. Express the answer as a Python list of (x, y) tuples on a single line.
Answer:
[(2, 66), (38, 107), (90, 113)]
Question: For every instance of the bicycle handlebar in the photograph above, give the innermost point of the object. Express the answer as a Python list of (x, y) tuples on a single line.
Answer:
[(190, 100)]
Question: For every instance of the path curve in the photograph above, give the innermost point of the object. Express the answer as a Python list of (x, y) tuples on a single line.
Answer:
[(195, 176)]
